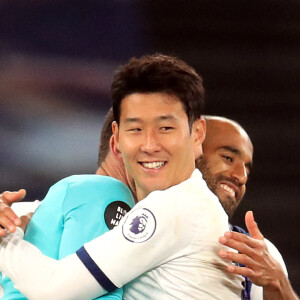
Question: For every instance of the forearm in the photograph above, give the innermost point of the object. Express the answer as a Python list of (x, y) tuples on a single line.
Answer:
[(281, 290), (41, 277)]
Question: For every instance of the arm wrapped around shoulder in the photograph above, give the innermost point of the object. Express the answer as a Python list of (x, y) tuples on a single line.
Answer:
[(40, 277)]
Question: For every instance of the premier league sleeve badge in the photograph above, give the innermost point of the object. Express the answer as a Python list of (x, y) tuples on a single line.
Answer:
[(139, 225)]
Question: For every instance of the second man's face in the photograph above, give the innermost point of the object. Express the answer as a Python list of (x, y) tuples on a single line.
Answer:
[(226, 163), (155, 141)]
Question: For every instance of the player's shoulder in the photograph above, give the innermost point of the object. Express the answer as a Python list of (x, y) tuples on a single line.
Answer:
[(95, 189), (185, 199), (90, 179), (191, 193), (93, 182)]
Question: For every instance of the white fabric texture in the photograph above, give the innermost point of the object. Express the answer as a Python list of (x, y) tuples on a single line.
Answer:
[(40, 277), (179, 259), (178, 254)]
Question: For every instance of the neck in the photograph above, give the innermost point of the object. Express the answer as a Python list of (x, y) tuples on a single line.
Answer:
[(111, 167), (142, 194)]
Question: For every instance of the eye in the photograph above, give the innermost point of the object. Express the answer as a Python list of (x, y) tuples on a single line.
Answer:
[(227, 158), (134, 129), (166, 128)]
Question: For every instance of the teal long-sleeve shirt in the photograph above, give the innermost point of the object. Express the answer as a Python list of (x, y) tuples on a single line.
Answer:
[(76, 210)]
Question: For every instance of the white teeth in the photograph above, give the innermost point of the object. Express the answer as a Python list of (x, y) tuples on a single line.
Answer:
[(153, 165), (228, 189)]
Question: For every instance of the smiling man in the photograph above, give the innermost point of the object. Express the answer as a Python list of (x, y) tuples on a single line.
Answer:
[(225, 165), (227, 161), (167, 246), (156, 146), (219, 167)]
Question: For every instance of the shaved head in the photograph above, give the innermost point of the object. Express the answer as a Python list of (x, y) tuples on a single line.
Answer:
[(226, 161)]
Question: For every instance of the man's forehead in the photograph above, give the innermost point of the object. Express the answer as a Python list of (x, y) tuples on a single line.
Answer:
[(226, 135), (137, 107)]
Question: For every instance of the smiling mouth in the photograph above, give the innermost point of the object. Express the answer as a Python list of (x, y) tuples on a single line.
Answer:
[(153, 165), (228, 189)]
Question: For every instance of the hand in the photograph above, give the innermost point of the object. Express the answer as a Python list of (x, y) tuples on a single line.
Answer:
[(8, 219), (25, 221), (261, 268)]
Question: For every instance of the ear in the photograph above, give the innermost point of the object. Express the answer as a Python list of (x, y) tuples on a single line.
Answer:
[(198, 131), (114, 141)]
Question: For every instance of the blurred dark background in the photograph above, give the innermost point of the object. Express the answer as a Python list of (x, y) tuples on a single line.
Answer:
[(57, 59)]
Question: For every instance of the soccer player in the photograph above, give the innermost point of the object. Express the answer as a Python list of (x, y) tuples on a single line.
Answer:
[(224, 147), (157, 103), (78, 209), (225, 166)]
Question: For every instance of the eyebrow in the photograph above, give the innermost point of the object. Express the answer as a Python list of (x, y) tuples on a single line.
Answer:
[(160, 118), (167, 118), (249, 165), (131, 120)]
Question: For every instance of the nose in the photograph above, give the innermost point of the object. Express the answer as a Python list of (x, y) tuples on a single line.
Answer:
[(150, 143), (239, 172)]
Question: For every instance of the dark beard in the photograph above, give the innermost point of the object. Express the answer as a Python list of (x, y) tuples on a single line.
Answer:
[(229, 204)]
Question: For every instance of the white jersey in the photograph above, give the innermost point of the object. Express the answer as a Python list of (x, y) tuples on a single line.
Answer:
[(165, 248)]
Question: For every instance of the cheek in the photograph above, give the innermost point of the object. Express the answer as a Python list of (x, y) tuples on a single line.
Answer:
[(127, 155), (172, 141), (127, 147), (174, 146), (216, 166), (184, 153)]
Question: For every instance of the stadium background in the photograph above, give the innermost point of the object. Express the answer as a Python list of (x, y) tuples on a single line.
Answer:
[(57, 59)]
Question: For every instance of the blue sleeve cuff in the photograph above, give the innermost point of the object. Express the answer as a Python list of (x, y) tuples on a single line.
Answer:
[(101, 278)]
